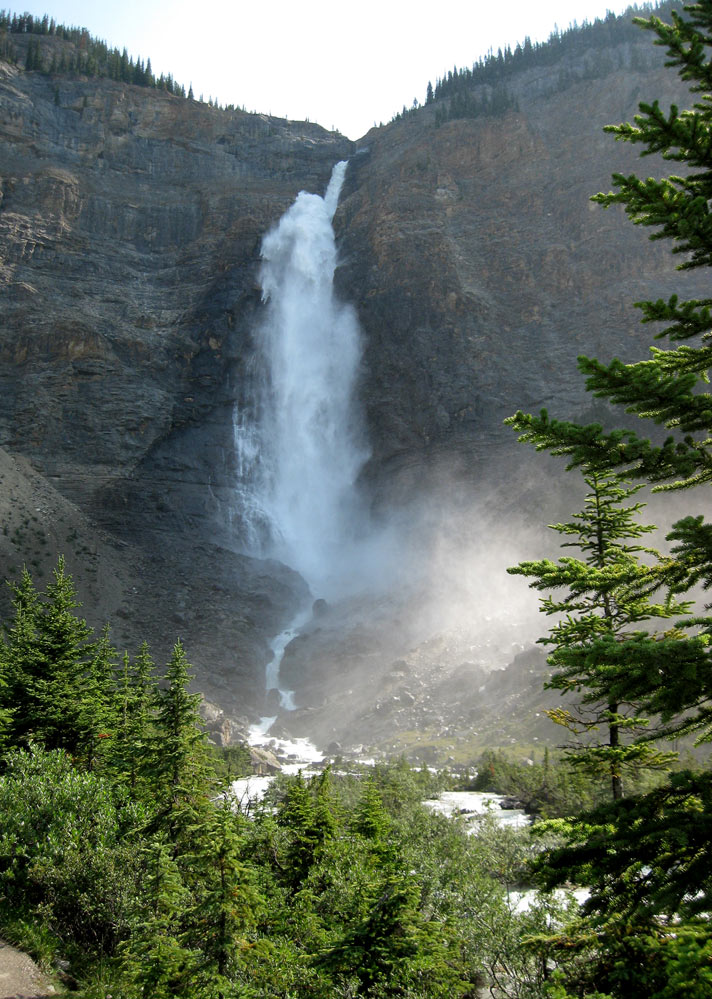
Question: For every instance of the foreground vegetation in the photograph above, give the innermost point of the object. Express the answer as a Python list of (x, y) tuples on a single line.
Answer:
[(124, 853), (126, 858)]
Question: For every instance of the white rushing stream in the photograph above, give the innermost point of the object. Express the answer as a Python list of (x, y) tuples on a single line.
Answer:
[(474, 805)]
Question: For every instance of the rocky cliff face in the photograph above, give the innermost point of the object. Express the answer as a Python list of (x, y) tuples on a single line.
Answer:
[(130, 228), (481, 269)]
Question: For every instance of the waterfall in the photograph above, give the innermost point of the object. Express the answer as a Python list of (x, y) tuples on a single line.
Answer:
[(298, 437), (299, 444)]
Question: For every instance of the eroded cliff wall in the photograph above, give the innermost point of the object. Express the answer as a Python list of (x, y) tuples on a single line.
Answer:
[(481, 269), (130, 228), (130, 225)]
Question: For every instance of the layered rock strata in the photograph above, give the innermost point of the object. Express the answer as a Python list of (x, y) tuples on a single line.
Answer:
[(130, 230)]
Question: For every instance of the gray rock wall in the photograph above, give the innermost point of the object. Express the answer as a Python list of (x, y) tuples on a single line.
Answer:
[(130, 227), (481, 270)]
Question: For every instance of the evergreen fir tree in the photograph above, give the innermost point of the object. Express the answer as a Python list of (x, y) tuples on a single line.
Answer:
[(225, 903), (670, 387), (154, 959), (48, 649), (66, 649), (33, 59), (180, 772), (325, 807), (644, 857), (97, 707), (297, 815), (21, 662), (6, 709), (599, 635), (395, 948), (136, 695), (371, 819)]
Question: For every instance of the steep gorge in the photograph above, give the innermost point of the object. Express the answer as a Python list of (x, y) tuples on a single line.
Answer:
[(130, 231)]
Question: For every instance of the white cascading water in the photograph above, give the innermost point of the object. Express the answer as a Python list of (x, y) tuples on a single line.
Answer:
[(299, 445), (300, 453)]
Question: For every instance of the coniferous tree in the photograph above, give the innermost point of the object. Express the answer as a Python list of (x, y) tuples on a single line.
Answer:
[(154, 959), (371, 819), (97, 705), (21, 662), (33, 59), (6, 709), (599, 633), (66, 648), (666, 387), (395, 948), (645, 857), (297, 814), (325, 807), (180, 773), (49, 649), (226, 902), (670, 387), (136, 695)]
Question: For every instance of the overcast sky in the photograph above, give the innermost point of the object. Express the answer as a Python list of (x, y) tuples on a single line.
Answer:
[(345, 66)]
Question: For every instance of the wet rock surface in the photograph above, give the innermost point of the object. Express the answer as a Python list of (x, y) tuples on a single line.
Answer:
[(364, 674)]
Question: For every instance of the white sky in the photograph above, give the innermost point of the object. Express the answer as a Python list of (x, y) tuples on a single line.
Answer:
[(344, 66)]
